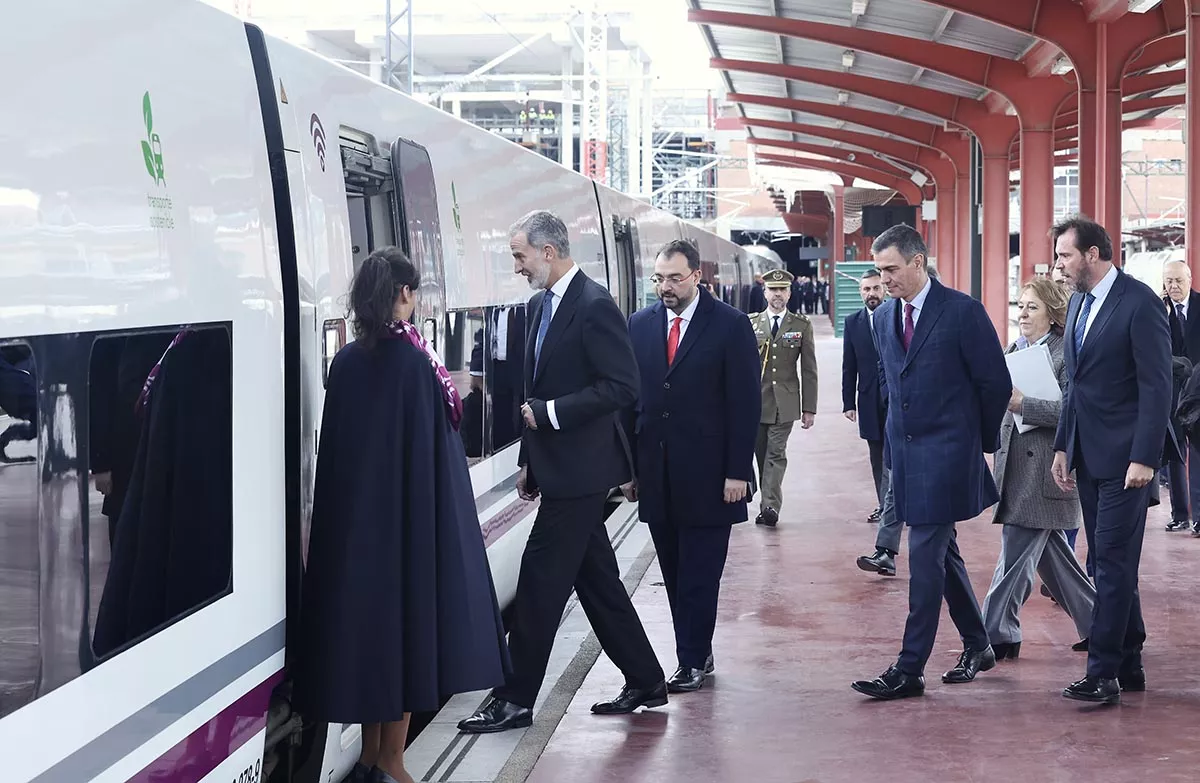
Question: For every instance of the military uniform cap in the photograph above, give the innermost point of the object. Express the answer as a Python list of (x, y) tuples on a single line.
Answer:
[(778, 278)]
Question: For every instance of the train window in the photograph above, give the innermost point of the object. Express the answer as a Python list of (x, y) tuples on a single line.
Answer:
[(20, 565), (504, 374), (116, 501), (464, 362), (166, 488)]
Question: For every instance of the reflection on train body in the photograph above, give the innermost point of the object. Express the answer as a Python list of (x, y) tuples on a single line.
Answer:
[(485, 355), (115, 495)]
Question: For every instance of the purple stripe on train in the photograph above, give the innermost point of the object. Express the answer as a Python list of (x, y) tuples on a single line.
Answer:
[(500, 524), (215, 741)]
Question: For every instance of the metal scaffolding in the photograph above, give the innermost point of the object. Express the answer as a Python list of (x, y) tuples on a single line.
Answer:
[(389, 63), (618, 158), (593, 119)]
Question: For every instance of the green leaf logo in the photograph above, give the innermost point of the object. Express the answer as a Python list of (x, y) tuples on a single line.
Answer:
[(152, 145), (148, 157)]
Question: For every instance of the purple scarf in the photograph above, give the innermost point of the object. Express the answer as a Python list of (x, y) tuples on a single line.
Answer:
[(403, 330), (144, 397)]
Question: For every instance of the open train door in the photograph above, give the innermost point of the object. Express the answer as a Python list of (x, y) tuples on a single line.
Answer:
[(419, 232)]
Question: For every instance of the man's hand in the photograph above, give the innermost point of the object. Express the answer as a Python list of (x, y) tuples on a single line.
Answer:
[(735, 490), (1062, 476), (1138, 475), (527, 414), (630, 491), (806, 420), (851, 415), (523, 491), (1014, 402)]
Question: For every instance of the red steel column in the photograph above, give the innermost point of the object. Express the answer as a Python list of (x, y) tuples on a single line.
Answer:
[(1037, 198), (1088, 145), (1108, 139), (944, 228), (1192, 242), (995, 238)]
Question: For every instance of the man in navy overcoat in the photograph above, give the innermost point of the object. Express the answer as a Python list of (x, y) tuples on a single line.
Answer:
[(693, 440), (948, 387), (1111, 433)]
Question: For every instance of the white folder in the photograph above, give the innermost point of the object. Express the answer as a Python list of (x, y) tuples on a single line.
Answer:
[(1032, 372)]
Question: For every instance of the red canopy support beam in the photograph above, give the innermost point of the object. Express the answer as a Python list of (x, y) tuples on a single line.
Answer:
[(1100, 51), (1192, 242), (838, 153), (994, 131), (1036, 100), (910, 192)]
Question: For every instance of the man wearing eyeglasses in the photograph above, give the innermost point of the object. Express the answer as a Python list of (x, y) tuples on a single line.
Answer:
[(785, 343), (693, 444)]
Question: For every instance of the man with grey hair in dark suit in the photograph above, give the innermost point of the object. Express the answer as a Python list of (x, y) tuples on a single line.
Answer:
[(580, 374)]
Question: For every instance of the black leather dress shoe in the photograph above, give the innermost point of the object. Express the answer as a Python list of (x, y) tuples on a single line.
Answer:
[(710, 665), (768, 516), (970, 663), (497, 715), (882, 563), (1132, 680), (1080, 646), (686, 679), (1094, 690), (892, 684), (629, 699)]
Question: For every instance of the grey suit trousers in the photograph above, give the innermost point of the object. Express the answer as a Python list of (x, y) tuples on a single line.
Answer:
[(890, 528), (1022, 551)]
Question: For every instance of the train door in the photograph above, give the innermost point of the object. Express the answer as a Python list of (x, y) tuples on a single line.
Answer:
[(626, 246), (420, 232)]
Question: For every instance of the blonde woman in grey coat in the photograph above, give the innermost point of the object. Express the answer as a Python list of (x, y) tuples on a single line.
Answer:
[(1035, 513)]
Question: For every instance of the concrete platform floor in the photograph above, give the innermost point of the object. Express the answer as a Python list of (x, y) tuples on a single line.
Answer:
[(798, 622)]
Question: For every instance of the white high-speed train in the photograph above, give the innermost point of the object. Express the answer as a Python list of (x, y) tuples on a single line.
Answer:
[(183, 200)]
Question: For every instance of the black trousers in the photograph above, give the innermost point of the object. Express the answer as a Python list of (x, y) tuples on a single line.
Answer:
[(567, 548), (692, 560), (875, 447), (936, 570), (1114, 520)]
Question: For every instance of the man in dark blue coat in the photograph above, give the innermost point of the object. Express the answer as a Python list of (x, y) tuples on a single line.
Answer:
[(696, 424), (1111, 434), (948, 387)]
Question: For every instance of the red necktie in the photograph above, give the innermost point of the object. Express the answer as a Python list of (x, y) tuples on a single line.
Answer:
[(673, 340)]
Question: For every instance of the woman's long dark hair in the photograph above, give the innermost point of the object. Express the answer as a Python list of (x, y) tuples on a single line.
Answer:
[(373, 292)]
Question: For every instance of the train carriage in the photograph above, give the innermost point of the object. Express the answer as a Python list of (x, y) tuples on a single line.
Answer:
[(183, 201)]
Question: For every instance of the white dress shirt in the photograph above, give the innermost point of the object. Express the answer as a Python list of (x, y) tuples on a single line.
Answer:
[(687, 315), (918, 303), (772, 315), (1184, 304), (558, 289), (1100, 291)]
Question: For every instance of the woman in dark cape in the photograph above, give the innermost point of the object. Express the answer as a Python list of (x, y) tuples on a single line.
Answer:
[(398, 608)]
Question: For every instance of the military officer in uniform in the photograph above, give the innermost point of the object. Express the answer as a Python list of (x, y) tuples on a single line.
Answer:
[(788, 371)]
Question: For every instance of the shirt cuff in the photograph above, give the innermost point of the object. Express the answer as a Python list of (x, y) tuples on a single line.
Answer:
[(550, 415)]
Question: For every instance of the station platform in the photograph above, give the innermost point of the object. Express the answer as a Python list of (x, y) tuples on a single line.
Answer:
[(799, 622)]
